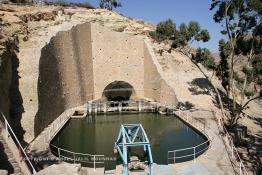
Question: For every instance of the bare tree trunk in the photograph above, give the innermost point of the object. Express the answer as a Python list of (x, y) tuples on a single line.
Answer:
[(237, 112), (232, 40), (250, 56)]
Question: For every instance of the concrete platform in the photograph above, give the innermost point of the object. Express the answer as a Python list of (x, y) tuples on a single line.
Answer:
[(215, 161)]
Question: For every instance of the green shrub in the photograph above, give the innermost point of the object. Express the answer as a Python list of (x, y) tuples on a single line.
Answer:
[(109, 4), (210, 63), (203, 56), (164, 30), (259, 81), (249, 93), (238, 78)]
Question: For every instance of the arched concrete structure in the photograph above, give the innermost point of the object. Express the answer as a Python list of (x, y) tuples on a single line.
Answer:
[(118, 91), (78, 65)]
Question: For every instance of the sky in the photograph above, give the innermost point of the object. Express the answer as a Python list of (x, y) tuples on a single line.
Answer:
[(179, 11)]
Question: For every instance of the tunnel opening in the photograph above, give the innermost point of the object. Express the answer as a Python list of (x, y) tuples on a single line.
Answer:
[(118, 91)]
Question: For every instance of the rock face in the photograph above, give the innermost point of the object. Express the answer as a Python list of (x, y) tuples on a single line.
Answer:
[(11, 29), (62, 169)]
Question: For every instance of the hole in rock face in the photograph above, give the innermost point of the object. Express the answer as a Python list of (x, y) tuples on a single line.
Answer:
[(118, 91)]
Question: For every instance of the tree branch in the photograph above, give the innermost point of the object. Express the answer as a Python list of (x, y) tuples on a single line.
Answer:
[(257, 97)]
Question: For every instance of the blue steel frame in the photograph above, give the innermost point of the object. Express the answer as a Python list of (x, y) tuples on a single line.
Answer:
[(129, 137)]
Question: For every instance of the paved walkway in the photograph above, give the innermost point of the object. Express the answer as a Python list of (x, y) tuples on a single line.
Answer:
[(215, 161)]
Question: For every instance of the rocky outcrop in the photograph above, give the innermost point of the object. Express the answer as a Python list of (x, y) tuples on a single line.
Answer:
[(14, 22), (8, 162), (11, 31)]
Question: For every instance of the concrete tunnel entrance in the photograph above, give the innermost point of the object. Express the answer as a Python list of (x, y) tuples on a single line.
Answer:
[(118, 91)]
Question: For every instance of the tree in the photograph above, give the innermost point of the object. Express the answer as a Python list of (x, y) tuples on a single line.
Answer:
[(164, 30), (203, 56), (187, 34), (109, 4), (242, 21), (223, 68)]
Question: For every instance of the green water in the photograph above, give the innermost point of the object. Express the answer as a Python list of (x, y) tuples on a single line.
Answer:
[(97, 134)]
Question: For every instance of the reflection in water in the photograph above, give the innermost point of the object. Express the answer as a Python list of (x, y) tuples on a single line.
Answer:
[(97, 134)]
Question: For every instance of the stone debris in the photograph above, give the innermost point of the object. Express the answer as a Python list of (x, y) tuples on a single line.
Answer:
[(136, 164), (61, 169)]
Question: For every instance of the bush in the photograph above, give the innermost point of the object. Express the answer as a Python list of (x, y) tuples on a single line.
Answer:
[(165, 30), (259, 81), (249, 93), (203, 56), (238, 78), (109, 4), (257, 65), (210, 63)]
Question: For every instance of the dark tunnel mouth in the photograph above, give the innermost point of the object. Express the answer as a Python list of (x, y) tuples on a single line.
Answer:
[(118, 91)]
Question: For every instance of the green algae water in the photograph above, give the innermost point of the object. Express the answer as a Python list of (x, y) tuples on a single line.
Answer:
[(97, 135)]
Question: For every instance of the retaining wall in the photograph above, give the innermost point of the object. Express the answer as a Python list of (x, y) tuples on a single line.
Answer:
[(78, 64)]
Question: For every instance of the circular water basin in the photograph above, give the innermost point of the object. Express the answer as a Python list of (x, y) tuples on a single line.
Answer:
[(97, 135)]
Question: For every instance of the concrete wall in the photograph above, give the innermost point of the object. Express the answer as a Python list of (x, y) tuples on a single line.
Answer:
[(116, 57), (65, 74), (155, 87), (77, 65)]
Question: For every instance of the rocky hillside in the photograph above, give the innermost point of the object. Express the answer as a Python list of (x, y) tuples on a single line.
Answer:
[(28, 28), (25, 30)]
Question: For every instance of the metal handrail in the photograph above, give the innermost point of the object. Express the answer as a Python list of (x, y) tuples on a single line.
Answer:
[(187, 118), (84, 154), (232, 146), (189, 148), (94, 162), (7, 126)]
